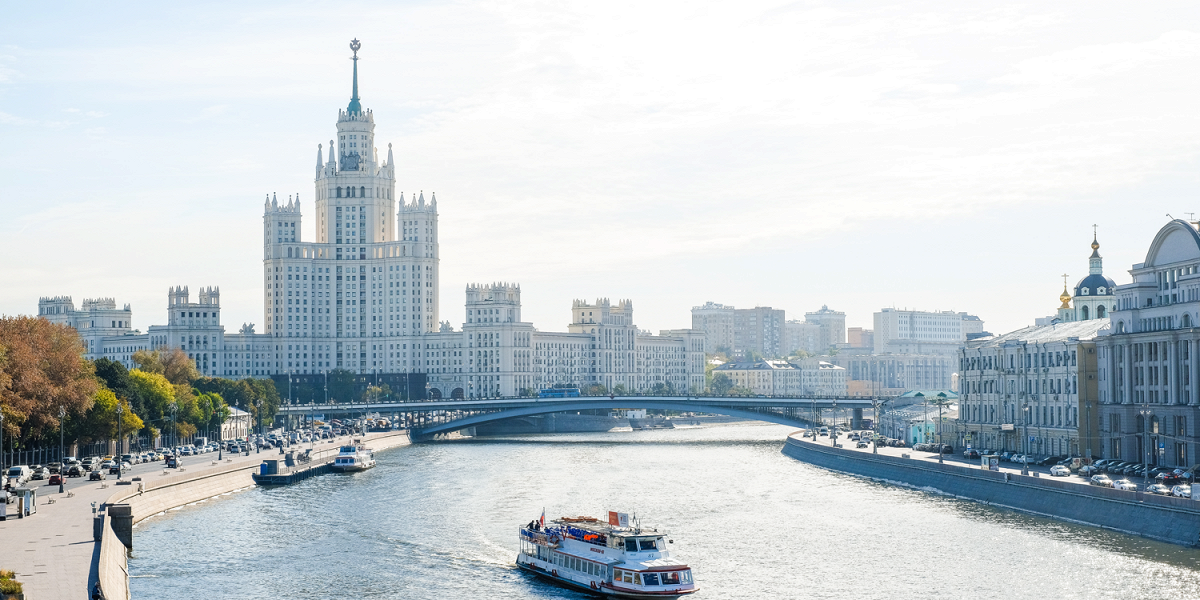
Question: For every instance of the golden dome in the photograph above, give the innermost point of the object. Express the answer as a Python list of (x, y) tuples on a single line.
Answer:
[(1065, 298)]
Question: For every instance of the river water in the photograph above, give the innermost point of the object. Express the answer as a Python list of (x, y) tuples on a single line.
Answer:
[(440, 521)]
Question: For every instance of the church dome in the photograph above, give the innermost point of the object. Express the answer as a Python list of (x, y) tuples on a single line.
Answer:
[(1094, 285)]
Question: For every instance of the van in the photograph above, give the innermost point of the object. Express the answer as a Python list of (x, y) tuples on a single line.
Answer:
[(19, 474)]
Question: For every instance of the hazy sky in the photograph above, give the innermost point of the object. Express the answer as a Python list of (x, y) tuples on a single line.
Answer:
[(931, 155)]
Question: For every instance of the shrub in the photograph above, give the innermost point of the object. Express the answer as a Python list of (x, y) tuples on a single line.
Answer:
[(10, 586)]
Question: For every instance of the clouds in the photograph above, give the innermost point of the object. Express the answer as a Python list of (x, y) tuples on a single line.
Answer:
[(671, 152)]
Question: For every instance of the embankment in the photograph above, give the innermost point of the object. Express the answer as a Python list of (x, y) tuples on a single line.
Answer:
[(158, 494), (1174, 520)]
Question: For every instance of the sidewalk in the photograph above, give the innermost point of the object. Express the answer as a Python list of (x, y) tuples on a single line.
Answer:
[(53, 553)]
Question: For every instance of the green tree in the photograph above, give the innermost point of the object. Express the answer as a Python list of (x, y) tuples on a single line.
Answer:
[(156, 395), (721, 384), (100, 422), (342, 385)]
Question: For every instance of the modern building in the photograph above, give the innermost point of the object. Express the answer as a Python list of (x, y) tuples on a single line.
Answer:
[(892, 374), (832, 325), (1148, 363), (740, 331), (920, 332), (802, 335), (364, 296), (858, 337)]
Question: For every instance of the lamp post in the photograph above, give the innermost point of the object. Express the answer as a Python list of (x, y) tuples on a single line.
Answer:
[(941, 402), (258, 417), (120, 446), (1025, 440), (1146, 412), (833, 430), (62, 414), (875, 415), (1, 441)]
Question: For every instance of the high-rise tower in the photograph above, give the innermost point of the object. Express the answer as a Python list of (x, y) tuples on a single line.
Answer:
[(361, 279)]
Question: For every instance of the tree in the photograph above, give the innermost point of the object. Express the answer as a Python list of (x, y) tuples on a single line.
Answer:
[(595, 389), (721, 384), (620, 390), (341, 385), (43, 368), (171, 363), (100, 423), (155, 394)]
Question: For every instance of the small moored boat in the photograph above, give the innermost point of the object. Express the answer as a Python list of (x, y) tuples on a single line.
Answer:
[(610, 558), (355, 457)]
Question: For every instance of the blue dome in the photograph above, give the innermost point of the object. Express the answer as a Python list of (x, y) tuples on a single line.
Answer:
[(1094, 285)]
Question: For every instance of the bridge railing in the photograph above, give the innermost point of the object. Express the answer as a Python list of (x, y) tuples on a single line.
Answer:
[(813, 397)]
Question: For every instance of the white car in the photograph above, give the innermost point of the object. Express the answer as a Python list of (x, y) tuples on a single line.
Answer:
[(1182, 491), (1059, 471), (1125, 484), (1101, 480)]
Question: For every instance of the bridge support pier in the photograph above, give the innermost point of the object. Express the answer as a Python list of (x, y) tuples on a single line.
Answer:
[(856, 419)]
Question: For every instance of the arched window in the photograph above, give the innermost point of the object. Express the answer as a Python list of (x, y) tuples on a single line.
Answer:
[(1187, 320), (1120, 326), (362, 191), (1100, 312), (339, 192), (1084, 312), (289, 256)]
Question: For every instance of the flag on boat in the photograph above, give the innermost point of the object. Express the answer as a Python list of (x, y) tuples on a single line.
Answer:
[(618, 519), (542, 520)]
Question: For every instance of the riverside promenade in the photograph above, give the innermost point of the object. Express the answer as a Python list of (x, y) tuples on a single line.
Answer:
[(53, 552)]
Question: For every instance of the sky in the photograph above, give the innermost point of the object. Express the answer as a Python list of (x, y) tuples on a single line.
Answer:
[(860, 155)]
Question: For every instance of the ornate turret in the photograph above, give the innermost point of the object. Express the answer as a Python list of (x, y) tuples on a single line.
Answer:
[(1095, 295)]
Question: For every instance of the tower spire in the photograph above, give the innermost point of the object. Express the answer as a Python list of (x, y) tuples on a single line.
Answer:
[(355, 107)]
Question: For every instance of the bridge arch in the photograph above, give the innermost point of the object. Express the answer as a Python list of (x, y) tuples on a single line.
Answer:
[(585, 403)]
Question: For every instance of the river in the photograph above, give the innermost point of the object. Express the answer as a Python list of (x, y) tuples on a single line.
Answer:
[(440, 521)]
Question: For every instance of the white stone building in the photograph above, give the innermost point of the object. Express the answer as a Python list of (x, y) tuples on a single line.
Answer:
[(363, 296), (920, 332), (783, 378)]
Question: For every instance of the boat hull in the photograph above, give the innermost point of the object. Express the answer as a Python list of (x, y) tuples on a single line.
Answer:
[(603, 590)]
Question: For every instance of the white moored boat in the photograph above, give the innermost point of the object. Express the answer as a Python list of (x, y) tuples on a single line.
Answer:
[(613, 558), (355, 457)]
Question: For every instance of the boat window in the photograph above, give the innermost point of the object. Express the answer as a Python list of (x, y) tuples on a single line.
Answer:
[(687, 576), (669, 578), (649, 578), (648, 544), (631, 545)]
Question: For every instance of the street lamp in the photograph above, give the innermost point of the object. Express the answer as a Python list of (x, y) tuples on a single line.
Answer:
[(1, 441), (941, 402), (120, 445), (1025, 441), (62, 414), (1146, 412), (257, 417)]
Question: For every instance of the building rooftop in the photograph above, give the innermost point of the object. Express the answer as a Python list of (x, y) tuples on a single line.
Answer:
[(1082, 330)]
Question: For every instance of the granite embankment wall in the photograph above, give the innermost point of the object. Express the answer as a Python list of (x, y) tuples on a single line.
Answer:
[(1175, 520), (163, 493)]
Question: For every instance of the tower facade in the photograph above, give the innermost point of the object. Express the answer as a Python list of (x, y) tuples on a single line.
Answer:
[(1095, 296), (372, 271)]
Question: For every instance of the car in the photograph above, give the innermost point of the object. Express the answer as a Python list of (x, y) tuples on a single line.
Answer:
[(1182, 491), (1160, 489), (1051, 460), (173, 462), (75, 471), (39, 473), (18, 475), (1059, 471), (1101, 480), (130, 458), (97, 475), (106, 464), (861, 444), (56, 479), (1125, 484), (970, 453), (117, 469)]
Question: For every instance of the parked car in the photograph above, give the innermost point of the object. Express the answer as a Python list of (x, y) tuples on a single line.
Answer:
[(1059, 471), (97, 475), (1050, 460), (970, 453), (1101, 480), (1125, 484), (56, 479), (1160, 489), (1182, 491)]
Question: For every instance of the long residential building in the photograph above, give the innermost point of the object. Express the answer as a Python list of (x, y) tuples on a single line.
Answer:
[(784, 378)]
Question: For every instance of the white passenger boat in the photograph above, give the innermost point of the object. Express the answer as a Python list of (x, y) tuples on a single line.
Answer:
[(355, 457), (610, 558)]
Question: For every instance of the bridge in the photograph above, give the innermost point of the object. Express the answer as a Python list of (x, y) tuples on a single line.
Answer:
[(432, 417)]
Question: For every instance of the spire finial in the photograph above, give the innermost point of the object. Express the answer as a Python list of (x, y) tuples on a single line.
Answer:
[(355, 107), (1065, 297)]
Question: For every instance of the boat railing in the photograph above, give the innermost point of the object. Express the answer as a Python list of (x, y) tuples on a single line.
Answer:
[(582, 535), (546, 538)]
